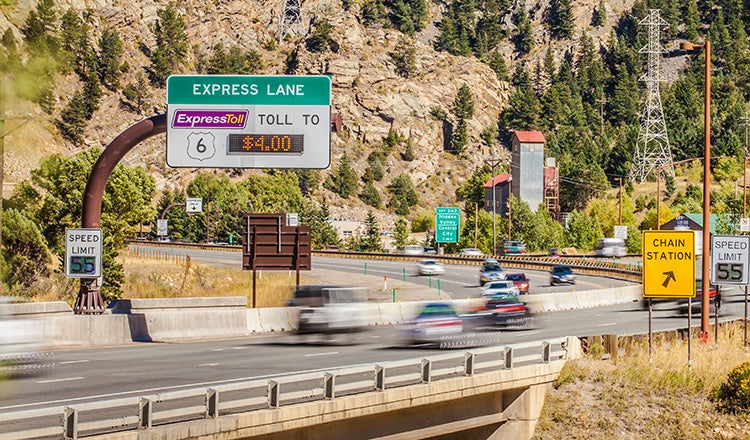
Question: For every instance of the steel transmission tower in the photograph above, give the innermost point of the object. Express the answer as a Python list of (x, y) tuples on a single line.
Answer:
[(652, 152), (291, 17)]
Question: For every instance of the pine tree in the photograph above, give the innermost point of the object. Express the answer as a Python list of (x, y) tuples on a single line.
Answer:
[(110, 58), (599, 15), (524, 38), (139, 93), (463, 104), (497, 64), (171, 44), (371, 196), (74, 117), (39, 28), (404, 56), (320, 40), (346, 178), (371, 241), (561, 19)]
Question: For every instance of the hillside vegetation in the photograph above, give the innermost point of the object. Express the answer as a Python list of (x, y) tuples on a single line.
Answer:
[(427, 92)]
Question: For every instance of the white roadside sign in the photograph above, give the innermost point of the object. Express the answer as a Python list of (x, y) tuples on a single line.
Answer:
[(83, 253), (193, 204), (730, 255)]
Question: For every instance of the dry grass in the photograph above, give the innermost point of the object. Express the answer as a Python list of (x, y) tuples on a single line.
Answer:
[(647, 397), (163, 276)]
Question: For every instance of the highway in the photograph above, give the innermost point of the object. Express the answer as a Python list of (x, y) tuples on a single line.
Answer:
[(145, 368)]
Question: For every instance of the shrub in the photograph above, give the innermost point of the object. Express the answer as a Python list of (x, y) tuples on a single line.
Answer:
[(733, 396), (596, 351)]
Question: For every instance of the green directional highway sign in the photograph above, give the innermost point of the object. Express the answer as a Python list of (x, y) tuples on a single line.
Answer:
[(246, 121), (447, 224)]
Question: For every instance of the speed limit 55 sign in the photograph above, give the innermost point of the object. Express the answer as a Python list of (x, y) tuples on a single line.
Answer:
[(730, 258)]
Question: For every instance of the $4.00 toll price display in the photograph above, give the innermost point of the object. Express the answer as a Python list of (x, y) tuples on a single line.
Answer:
[(265, 143)]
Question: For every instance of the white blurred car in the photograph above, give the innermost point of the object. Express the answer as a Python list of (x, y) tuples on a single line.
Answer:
[(23, 347), (497, 287), (471, 252), (330, 309), (430, 267)]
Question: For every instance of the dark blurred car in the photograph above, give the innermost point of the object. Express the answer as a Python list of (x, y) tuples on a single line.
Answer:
[(434, 321), (513, 247), (561, 274), (554, 253), (490, 272), (713, 295), (503, 310), (520, 280)]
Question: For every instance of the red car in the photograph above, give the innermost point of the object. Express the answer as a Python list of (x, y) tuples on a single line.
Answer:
[(520, 280)]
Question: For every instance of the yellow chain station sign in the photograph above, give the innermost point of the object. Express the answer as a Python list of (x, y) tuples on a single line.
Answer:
[(669, 264)]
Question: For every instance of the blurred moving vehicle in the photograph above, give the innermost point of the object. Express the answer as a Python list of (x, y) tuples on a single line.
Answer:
[(504, 310), (500, 287), (610, 247), (513, 247), (561, 274), (554, 253), (520, 280), (330, 309), (434, 321), (23, 346), (430, 267), (470, 252), (714, 295), (490, 272), (413, 249)]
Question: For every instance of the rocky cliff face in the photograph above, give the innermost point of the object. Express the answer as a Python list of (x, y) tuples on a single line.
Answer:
[(367, 92)]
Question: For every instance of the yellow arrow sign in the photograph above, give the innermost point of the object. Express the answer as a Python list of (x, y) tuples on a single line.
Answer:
[(669, 264)]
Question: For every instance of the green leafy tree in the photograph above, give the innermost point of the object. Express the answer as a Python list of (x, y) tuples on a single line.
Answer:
[(53, 198), (408, 155), (322, 232), (423, 221), (171, 44), (583, 231), (25, 251)]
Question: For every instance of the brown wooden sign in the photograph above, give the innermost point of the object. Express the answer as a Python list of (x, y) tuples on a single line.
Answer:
[(269, 244)]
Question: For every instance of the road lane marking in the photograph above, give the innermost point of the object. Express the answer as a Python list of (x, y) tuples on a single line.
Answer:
[(239, 348), (322, 354), (73, 362), (211, 364), (606, 325), (67, 379)]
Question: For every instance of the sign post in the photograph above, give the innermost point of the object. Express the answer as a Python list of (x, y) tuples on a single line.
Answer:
[(668, 269), (245, 121), (83, 253), (447, 225)]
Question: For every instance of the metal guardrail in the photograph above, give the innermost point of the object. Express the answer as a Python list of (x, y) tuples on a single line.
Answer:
[(144, 412), (586, 264)]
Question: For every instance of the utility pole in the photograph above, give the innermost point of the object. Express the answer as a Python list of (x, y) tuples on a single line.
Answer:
[(619, 179)]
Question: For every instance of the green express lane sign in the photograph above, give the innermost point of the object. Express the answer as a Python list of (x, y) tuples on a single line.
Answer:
[(447, 224), (245, 121)]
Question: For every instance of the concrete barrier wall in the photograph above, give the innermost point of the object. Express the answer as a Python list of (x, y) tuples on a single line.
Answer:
[(169, 319)]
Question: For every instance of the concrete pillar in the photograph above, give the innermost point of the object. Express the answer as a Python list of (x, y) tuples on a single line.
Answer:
[(522, 409)]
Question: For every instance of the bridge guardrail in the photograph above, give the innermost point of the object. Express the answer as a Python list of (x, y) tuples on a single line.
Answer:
[(143, 412)]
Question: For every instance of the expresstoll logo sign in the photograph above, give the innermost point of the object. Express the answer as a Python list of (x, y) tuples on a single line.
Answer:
[(209, 119)]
